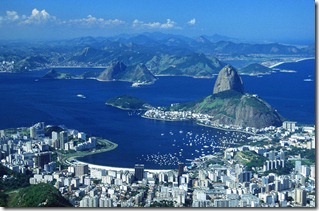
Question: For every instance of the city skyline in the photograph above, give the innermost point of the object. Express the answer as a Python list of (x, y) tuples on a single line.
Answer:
[(273, 21)]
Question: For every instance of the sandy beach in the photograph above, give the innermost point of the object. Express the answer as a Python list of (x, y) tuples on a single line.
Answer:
[(298, 60), (121, 168)]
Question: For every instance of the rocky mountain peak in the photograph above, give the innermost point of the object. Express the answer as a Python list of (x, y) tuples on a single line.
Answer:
[(118, 66), (228, 79)]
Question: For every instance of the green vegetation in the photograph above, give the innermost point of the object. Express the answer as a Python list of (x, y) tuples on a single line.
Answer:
[(40, 195), (308, 154), (219, 103), (131, 73), (14, 180), (163, 203), (228, 94), (127, 102), (53, 74), (182, 106), (255, 69), (11, 182), (255, 103), (250, 159), (23, 131), (289, 165), (194, 64)]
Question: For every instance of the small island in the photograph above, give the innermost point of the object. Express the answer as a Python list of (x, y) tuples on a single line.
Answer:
[(255, 69), (127, 102)]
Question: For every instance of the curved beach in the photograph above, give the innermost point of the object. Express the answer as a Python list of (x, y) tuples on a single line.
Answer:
[(111, 168)]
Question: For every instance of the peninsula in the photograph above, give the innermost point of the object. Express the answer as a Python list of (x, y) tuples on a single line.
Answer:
[(228, 105)]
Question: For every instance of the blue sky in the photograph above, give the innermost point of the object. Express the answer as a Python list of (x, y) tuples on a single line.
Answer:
[(255, 20)]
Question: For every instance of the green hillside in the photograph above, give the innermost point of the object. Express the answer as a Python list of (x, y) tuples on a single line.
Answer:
[(40, 195), (127, 102)]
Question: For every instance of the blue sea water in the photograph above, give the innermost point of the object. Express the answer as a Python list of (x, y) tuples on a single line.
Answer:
[(26, 99)]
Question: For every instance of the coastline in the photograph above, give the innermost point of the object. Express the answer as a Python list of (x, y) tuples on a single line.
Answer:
[(298, 60), (188, 76), (124, 109), (66, 160), (211, 126), (225, 129), (111, 168), (169, 120), (91, 165)]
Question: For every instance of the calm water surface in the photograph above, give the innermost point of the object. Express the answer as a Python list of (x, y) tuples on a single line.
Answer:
[(26, 99)]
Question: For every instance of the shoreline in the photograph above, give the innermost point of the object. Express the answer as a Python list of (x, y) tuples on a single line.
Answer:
[(211, 126), (110, 168), (188, 76), (169, 120), (225, 129), (96, 166), (124, 109), (298, 60), (66, 160)]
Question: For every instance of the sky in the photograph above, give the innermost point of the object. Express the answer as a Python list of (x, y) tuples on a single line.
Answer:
[(254, 20)]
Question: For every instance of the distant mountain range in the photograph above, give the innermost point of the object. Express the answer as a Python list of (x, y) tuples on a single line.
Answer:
[(162, 54)]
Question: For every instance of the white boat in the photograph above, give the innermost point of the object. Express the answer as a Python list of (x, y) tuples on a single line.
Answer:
[(80, 95), (307, 79)]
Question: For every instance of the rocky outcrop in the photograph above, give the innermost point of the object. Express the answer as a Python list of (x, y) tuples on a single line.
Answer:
[(255, 69), (120, 72), (53, 74), (228, 79), (232, 108)]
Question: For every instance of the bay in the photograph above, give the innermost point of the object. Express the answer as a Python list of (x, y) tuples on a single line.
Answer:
[(26, 99)]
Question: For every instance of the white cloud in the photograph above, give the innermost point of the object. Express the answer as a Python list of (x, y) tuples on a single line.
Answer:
[(38, 17), (137, 23), (169, 24), (192, 22), (91, 20), (11, 16)]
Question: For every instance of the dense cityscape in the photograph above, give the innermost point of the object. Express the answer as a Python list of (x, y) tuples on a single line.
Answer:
[(275, 169)]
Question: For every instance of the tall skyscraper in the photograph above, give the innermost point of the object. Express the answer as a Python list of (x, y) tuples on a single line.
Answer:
[(33, 132), (180, 168), (81, 170), (63, 138), (139, 171), (300, 196), (297, 166), (55, 135), (42, 158), (289, 125)]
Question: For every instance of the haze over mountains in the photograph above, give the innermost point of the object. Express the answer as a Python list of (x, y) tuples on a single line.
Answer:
[(161, 53)]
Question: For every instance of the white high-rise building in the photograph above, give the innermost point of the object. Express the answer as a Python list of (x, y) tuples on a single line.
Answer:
[(305, 170), (289, 125), (55, 136), (313, 172)]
